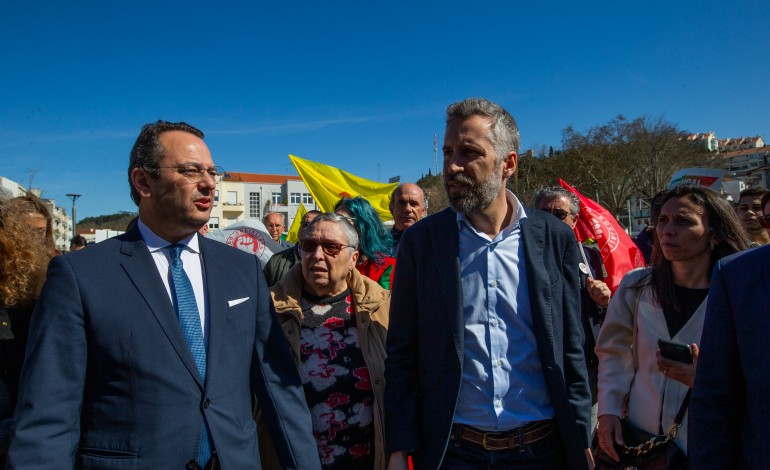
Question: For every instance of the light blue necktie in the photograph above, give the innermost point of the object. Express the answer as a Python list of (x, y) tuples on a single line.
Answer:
[(190, 320)]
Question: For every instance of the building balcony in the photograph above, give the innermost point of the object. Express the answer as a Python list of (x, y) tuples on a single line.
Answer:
[(232, 207)]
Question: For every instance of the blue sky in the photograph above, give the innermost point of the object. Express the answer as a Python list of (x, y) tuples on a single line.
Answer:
[(357, 85)]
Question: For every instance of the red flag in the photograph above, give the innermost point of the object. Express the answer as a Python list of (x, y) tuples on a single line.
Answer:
[(619, 252)]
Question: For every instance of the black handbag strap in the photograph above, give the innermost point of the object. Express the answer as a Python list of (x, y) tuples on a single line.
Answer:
[(683, 409)]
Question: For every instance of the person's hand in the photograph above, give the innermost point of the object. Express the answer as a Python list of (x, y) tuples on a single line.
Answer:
[(599, 292), (679, 371), (610, 433), (398, 461)]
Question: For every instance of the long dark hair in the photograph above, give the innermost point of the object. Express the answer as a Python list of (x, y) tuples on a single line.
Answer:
[(723, 223)]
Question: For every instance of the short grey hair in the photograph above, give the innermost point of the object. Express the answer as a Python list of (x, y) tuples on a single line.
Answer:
[(504, 133), (347, 228), (553, 192)]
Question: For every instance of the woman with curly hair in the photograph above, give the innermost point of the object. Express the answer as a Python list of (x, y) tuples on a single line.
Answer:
[(375, 245), (26, 246), (666, 301)]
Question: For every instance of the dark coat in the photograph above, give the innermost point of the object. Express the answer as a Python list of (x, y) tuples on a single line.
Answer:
[(729, 411), (425, 339), (110, 382), (279, 264)]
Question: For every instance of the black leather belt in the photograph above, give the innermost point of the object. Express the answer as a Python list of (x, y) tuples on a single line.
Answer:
[(505, 440)]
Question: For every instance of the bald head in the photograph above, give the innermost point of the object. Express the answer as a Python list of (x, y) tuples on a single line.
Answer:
[(407, 205)]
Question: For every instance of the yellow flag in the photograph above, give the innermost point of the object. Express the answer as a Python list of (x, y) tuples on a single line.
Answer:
[(293, 235), (328, 185)]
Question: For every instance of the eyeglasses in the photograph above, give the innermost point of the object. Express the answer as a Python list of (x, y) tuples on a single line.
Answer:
[(764, 221), (195, 173), (329, 248), (560, 213)]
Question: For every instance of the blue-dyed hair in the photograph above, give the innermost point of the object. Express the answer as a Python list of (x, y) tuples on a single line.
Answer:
[(374, 239)]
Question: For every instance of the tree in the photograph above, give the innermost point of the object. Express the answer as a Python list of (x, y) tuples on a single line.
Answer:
[(621, 158)]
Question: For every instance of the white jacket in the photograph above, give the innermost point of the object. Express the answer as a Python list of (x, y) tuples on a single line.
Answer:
[(651, 393)]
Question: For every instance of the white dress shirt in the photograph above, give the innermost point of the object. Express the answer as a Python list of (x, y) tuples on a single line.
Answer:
[(193, 267)]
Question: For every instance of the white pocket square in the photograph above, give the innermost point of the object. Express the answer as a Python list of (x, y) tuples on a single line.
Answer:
[(233, 303)]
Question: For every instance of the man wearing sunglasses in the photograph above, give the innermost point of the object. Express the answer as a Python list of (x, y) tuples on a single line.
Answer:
[(594, 293), (144, 349), (485, 362)]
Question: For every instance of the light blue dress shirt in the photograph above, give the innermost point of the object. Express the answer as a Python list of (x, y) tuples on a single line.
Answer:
[(503, 386)]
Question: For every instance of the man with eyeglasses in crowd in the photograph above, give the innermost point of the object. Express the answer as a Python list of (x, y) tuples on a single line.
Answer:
[(594, 292), (280, 263), (144, 349), (750, 212)]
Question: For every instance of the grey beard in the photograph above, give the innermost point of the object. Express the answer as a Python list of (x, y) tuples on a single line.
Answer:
[(478, 196)]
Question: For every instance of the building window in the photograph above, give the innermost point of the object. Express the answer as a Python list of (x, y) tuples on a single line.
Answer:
[(294, 198), (214, 222), (254, 205), (307, 199), (232, 197), (276, 198)]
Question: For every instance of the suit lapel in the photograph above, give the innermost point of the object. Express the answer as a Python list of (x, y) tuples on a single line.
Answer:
[(447, 261), (534, 238), (217, 318), (141, 269)]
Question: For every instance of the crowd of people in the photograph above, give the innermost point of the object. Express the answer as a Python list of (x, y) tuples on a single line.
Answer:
[(483, 336)]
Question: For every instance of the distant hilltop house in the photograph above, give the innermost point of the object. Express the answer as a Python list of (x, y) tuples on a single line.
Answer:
[(741, 143), (251, 195), (708, 140)]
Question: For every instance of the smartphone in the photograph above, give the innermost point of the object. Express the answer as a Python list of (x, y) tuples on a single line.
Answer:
[(675, 351)]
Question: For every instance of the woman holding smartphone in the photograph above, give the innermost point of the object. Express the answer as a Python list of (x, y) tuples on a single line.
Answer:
[(666, 301)]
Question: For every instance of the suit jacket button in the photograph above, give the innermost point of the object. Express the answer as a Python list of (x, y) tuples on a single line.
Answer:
[(206, 403)]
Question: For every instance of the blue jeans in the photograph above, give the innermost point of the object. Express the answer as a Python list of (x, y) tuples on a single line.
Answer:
[(547, 453)]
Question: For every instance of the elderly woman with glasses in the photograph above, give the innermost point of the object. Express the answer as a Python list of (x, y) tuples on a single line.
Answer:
[(335, 321), (376, 259)]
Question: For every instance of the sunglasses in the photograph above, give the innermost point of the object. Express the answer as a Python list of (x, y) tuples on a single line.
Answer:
[(560, 213), (329, 248), (764, 221)]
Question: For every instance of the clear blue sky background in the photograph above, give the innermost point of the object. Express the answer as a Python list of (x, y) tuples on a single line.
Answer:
[(357, 85)]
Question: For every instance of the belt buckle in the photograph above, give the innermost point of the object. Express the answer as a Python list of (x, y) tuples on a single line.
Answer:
[(484, 442)]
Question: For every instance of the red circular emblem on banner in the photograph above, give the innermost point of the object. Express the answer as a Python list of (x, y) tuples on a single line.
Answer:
[(248, 240)]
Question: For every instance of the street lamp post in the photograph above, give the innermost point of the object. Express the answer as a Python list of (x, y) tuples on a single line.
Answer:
[(74, 197)]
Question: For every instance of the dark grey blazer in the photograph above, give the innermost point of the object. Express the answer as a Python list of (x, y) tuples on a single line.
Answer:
[(730, 410), (425, 336), (109, 381)]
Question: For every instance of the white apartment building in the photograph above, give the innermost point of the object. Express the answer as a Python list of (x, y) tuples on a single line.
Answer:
[(250, 196)]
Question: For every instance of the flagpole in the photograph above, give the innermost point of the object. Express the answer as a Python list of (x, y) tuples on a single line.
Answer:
[(435, 154)]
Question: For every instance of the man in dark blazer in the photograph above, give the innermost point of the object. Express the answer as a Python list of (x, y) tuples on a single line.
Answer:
[(485, 346), (729, 411), (115, 376)]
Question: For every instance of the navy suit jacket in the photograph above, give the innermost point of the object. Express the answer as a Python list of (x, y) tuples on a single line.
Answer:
[(426, 335), (730, 410), (109, 380)]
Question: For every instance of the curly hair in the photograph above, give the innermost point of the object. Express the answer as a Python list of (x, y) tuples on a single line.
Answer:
[(374, 239), (23, 260)]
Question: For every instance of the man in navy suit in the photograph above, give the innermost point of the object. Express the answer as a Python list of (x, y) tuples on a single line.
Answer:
[(137, 361), (485, 364), (729, 410)]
